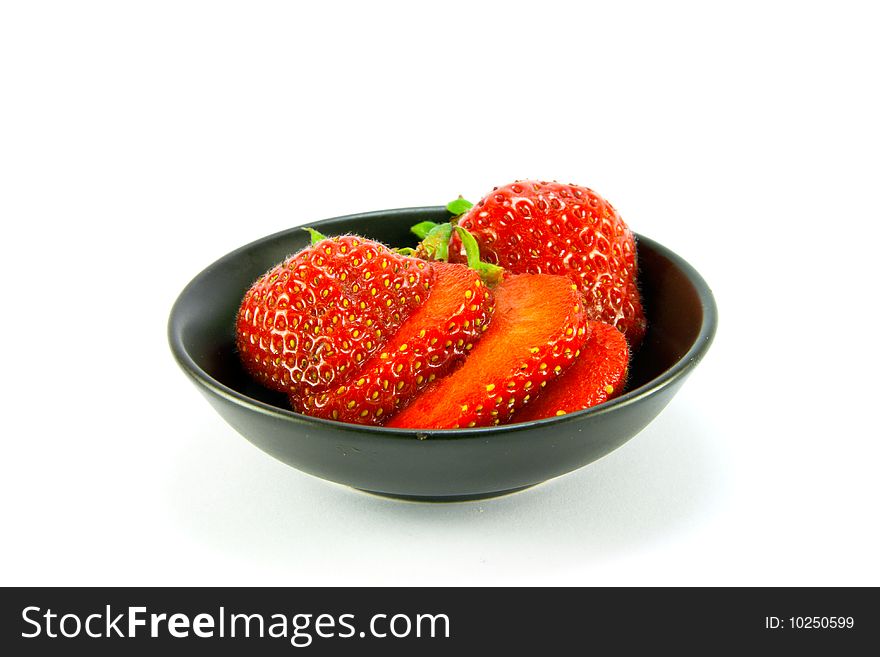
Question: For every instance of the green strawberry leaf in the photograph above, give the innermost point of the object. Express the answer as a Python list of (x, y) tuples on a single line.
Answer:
[(459, 206), (316, 236), (422, 229)]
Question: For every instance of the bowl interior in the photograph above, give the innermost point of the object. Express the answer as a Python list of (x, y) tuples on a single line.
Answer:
[(205, 314)]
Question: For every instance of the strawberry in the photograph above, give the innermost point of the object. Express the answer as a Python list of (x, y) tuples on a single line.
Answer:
[(597, 375), (547, 227), (534, 335), (435, 339), (314, 320)]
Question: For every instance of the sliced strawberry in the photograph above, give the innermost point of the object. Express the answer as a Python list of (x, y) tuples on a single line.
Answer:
[(538, 326), (316, 318), (597, 375), (426, 347)]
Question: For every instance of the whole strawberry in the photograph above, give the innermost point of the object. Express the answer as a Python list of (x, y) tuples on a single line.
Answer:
[(319, 316), (547, 227)]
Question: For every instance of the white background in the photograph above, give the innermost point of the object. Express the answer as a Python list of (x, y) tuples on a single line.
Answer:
[(141, 141)]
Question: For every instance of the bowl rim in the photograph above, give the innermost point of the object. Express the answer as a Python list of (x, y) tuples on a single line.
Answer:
[(666, 378)]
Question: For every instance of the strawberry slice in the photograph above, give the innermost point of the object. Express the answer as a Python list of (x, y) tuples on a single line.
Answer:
[(597, 375), (535, 334), (426, 347)]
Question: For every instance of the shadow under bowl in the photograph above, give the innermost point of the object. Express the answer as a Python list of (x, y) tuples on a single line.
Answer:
[(445, 465)]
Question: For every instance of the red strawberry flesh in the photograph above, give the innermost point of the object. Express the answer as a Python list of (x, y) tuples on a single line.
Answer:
[(597, 375), (534, 335)]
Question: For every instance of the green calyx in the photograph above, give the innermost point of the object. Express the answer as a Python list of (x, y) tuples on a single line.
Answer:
[(422, 229), (316, 236), (459, 206), (436, 242), (435, 238), (456, 208), (491, 274)]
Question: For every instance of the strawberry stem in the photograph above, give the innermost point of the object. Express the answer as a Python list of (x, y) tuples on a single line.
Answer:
[(491, 274), (316, 236)]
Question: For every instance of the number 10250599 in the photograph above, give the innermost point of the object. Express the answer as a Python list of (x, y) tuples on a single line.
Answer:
[(809, 623)]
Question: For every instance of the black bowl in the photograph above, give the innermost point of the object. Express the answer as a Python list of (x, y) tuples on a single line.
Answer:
[(433, 465)]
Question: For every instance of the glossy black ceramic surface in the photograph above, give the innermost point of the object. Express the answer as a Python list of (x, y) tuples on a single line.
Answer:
[(434, 465)]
